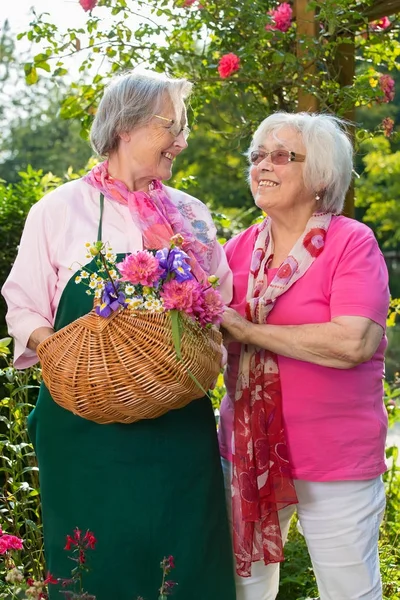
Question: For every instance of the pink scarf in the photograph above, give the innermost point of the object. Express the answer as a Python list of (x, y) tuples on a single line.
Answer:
[(155, 215), (262, 482)]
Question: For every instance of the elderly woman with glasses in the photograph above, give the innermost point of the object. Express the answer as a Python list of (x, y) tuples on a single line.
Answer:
[(154, 488), (303, 423)]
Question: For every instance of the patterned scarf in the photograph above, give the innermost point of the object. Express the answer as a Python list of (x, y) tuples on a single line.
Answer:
[(155, 215), (262, 482)]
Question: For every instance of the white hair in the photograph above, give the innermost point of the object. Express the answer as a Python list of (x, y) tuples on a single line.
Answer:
[(131, 100), (329, 153)]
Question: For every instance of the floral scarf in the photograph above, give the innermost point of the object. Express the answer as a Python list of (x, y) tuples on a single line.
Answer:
[(155, 215), (262, 482)]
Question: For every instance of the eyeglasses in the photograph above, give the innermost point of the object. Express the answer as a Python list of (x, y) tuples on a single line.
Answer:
[(277, 157), (175, 128)]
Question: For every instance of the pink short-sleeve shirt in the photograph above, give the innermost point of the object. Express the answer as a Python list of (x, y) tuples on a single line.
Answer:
[(335, 419)]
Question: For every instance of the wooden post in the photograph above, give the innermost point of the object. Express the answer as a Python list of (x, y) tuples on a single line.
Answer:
[(345, 61), (306, 27)]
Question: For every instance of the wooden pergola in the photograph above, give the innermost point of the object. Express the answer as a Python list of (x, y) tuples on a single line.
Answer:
[(307, 24)]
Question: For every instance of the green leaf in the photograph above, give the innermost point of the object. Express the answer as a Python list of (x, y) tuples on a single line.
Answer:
[(176, 334)]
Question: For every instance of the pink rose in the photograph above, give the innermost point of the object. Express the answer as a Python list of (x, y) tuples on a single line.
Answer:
[(281, 18), (88, 4), (229, 63)]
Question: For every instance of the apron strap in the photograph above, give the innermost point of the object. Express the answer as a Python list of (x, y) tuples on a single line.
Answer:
[(99, 231)]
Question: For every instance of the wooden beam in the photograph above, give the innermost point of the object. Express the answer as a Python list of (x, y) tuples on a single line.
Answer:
[(306, 28), (345, 62), (382, 8)]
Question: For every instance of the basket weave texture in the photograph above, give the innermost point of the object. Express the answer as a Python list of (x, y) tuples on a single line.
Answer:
[(124, 368)]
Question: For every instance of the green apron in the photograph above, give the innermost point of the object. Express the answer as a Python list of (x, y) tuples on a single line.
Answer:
[(146, 490)]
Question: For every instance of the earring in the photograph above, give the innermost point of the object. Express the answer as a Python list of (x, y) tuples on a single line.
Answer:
[(317, 197)]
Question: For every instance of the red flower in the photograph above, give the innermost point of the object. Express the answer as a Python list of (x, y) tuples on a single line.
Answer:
[(386, 83), (229, 63), (387, 125), (281, 18), (89, 540), (88, 4), (50, 579)]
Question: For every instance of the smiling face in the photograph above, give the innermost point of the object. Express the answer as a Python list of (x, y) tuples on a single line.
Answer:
[(280, 188), (149, 150)]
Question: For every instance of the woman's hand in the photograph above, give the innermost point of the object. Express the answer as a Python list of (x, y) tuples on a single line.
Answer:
[(38, 336), (234, 327)]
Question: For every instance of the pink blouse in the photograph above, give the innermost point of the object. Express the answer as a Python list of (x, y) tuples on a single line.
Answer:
[(52, 249), (335, 419)]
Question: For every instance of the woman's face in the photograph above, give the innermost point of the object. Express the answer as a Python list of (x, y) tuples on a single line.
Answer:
[(281, 188), (151, 149)]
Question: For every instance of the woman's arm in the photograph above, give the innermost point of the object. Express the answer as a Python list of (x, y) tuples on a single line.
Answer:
[(342, 343)]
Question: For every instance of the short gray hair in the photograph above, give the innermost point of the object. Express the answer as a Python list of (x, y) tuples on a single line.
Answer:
[(131, 100), (329, 161)]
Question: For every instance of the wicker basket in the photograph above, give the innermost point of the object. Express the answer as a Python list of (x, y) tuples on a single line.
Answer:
[(124, 368)]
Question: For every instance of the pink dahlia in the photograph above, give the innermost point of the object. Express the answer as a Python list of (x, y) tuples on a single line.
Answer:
[(228, 64), (281, 18), (211, 308), (386, 83), (88, 4), (181, 295), (141, 267)]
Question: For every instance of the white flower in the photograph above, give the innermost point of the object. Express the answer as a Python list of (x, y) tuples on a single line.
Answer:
[(14, 576), (113, 274), (78, 279), (129, 290), (89, 293), (84, 274), (158, 305), (93, 276), (98, 293), (93, 284), (134, 303)]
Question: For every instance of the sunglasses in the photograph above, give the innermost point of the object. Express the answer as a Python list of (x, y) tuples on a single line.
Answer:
[(175, 128), (277, 157)]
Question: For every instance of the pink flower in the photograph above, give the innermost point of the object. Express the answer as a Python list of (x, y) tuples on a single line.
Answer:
[(212, 308), (228, 64), (88, 4), (189, 2), (387, 125), (182, 295), (141, 267), (281, 18), (10, 542), (386, 83), (380, 25)]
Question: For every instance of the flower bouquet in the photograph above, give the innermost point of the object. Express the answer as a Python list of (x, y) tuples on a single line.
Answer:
[(149, 345)]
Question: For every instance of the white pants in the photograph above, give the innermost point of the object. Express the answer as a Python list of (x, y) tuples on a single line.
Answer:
[(340, 522)]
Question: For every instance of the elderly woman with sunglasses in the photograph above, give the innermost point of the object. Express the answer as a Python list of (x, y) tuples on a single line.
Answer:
[(154, 488), (303, 423)]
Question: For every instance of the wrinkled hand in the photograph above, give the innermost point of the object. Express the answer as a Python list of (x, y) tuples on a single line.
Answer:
[(234, 327)]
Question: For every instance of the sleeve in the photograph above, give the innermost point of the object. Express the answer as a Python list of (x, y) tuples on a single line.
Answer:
[(31, 285), (360, 282)]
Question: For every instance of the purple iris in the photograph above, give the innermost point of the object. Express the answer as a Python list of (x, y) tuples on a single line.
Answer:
[(174, 261), (111, 300)]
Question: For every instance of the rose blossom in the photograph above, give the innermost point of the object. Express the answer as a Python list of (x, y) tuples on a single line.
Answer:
[(228, 64), (281, 17), (387, 125), (381, 24), (386, 83), (88, 4)]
